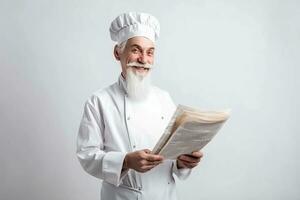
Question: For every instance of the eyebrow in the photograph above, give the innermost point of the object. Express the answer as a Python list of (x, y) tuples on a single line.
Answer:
[(139, 47)]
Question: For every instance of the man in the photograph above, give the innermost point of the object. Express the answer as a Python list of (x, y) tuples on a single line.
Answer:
[(122, 122)]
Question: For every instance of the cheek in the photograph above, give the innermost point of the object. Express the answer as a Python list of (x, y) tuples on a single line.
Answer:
[(131, 58), (151, 60)]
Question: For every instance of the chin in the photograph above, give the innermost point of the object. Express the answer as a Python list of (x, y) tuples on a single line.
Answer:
[(143, 72)]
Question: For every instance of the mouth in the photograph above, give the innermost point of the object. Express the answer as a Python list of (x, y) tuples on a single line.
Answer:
[(141, 69)]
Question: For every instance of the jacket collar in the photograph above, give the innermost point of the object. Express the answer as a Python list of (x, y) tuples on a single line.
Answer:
[(122, 84)]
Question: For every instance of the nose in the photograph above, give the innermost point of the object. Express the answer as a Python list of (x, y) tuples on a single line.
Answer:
[(142, 58)]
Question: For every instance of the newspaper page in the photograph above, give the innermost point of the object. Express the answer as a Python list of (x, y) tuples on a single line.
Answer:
[(189, 130)]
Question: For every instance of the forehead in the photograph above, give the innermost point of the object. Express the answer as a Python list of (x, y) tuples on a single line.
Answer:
[(142, 42)]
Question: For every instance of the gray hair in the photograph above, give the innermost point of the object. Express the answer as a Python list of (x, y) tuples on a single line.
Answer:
[(121, 46)]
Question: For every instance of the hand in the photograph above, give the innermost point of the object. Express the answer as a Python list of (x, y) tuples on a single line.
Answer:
[(189, 160), (141, 161)]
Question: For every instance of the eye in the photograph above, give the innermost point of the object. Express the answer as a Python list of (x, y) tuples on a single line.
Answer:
[(134, 50), (150, 53)]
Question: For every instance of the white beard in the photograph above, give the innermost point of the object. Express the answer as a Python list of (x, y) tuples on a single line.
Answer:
[(138, 85)]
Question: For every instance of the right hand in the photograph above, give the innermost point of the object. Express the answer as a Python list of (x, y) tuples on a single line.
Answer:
[(142, 160)]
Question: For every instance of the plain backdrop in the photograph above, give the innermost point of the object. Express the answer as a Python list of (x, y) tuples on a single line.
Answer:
[(242, 55)]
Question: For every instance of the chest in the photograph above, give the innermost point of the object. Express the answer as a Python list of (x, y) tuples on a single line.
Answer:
[(131, 125), (146, 122)]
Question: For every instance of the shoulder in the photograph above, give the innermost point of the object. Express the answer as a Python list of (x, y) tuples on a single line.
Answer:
[(161, 92), (165, 101), (103, 95), (164, 97)]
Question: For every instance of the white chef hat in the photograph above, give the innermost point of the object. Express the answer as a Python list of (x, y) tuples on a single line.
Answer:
[(128, 25)]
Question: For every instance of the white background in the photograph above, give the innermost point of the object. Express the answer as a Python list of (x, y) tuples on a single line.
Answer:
[(242, 55)]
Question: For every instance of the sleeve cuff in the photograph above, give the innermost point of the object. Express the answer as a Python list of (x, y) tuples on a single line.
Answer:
[(182, 174), (112, 167)]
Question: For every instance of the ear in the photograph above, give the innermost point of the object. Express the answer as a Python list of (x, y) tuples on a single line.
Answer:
[(116, 53)]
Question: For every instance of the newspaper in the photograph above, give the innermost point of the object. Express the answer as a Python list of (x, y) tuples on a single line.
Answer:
[(189, 130)]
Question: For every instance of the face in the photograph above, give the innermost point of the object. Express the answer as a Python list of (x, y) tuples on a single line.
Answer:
[(139, 50)]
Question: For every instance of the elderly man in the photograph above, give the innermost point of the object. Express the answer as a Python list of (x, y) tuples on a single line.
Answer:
[(122, 122)]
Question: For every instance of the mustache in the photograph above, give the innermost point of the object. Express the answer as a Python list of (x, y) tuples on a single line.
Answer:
[(137, 64)]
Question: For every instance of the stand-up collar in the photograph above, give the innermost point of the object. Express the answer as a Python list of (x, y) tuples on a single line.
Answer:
[(122, 84)]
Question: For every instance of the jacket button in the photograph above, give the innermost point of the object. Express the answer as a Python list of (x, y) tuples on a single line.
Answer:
[(128, 118), (133, 146), (162, 117)]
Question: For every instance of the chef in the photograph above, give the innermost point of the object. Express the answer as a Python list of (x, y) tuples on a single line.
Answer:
[(122, 122)]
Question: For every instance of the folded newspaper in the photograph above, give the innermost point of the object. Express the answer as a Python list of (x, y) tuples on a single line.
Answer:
[(189, 130)]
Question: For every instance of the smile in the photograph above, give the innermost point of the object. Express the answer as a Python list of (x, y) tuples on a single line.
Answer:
[(141, 68)]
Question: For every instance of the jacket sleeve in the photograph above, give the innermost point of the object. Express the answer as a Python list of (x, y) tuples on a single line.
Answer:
[(182, 174), (94, 160)]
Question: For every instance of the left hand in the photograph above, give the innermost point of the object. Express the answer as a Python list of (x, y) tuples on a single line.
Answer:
[(189, 160)]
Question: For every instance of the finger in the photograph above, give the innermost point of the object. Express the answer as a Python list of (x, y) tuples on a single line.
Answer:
[(197, 154), (146, 162), (193, 158), (147, 167), (189, 165), (152, 157), (192, 165), (147, 154), (189, 159), (152, 162)]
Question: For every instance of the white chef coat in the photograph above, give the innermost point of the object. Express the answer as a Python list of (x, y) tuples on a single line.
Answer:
[(113, 125)]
